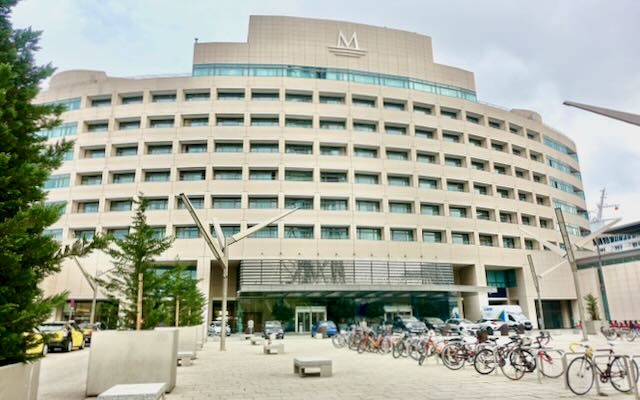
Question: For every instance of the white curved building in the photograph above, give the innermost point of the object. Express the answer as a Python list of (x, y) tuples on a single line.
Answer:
[(412, 193)]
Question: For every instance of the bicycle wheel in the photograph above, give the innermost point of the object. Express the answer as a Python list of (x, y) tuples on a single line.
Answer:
[(528, 361), (513, 366), (619, 376), (362, 346), (485, 362), (610, 334), (551, 363), (338, 341), (398, 349), (453, 357), (580, 375), (415, 351), (385, 346), (630, 335)]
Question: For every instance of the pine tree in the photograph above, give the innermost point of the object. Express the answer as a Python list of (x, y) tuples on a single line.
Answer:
[(133, 258), (27, 255), (183, 291)]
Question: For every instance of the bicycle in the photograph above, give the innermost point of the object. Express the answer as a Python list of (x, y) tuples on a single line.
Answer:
[(549, 360), (583, 371)]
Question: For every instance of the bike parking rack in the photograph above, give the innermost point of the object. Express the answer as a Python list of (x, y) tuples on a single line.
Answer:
[(631, 378), (540, 368), (565, 364)]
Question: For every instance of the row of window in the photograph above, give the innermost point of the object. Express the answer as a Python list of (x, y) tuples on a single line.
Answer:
[(326, 232)]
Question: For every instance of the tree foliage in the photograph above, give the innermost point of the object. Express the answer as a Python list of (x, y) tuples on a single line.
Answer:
[(133, 255), (181, 286), (592, 307), (27, 255)]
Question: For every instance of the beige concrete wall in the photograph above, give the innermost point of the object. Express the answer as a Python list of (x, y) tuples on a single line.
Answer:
[(622, 282)]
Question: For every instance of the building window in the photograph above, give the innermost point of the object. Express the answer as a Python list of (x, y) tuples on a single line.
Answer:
[(157, 176), (367, 179), (395, 129), (124, 177), (161, 123), (187, 232), (334, 204), (402, 235), (62, 130), (398, 180), (333, 150), (425, 133), (264, 148), (159, 232), (363, 102), (484, 215), (333, 177), (192, 122), (156, 149), (231, 95), (368, 205), (226, 202), (229, 147), (451, 137), (304, 203), (55, 234), (506, 218), (480, 189), (400, 207), (333, 124), (449, 113), (460, 238), (157, 204), (90, 180), (298, 148), (298, 175), (334, 232), (431, 236), (194, 148), (192, 175), (528, 244), (298, 232), (57, 181), (428, 183), (131, 99), (126, 125), (509, 242), (369, 233), (265, 121), (197, 202), (101, 102), (126, 151), (88, 207), (457, 212), (478, 165), (94, 153), (197, 96), (227, 230), (163, 98), (265, 95), (263, 202), (227, 174), (393, 105), (299, 97), (118, 233), (268, 232), (365, 152), (263, 175), (229, 120), (485, 240), (291, 122), (332, 99), (426, 158), (362, 126), (397, 155), (504, 193), (423, 109), (453, 162), (120, 205), (84, 234), (455, 186), (95, 127), (430, 209)]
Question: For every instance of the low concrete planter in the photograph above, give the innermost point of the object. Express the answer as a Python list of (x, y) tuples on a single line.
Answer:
[(20, 381), (593, 327), (187, 337), (127, 357)]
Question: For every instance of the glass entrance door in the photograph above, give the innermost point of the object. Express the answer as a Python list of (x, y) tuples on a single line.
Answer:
[(307, 316)]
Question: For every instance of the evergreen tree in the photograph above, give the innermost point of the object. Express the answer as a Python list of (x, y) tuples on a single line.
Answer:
[(133, 258), (182, 288), (27, 255)]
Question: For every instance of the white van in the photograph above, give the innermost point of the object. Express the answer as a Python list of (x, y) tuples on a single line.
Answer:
[(512, 315)]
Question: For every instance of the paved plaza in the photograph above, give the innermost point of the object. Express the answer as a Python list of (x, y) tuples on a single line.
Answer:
[(244, 372)]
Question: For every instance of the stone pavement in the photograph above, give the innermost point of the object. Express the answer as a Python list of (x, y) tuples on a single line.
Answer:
[(244, 372)]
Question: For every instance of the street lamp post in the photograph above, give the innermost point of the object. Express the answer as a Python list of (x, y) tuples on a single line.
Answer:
[(536, 283), (220, 250)]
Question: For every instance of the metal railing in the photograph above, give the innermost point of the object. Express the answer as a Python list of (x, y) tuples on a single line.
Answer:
[(343, 272)]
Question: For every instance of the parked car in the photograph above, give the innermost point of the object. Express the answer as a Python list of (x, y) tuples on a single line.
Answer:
[(216, 327), (434, 324), (88, 330), (40, 346), (490, 325), (463, 325), (409, 324), (273, 328), (327, 328), (62, 335)]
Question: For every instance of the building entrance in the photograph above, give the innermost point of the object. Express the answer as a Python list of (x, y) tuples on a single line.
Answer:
[(306, 316)]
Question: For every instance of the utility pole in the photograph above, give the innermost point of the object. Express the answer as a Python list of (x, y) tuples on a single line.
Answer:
[(536, 282), (598, 221), (220, 250), (574, 270)]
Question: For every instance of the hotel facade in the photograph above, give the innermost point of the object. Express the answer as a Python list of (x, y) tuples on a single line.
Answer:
[(413, 196)]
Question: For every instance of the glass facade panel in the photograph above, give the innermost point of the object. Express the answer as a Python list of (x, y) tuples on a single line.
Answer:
[(368, 205), (120, 205), (335, 177), (262, 175), (299, 176), (298, 232), (198, 175), (297, 202), (402, 235), (334, 204), (263, 202), (298, 149), (369, 233), (264, 148), (88, 180), (57, 181), (398, 181), (226, 202), (187, 232), (227, 174), (159, 149), (196, 148), (363, 152), (157, 204), (62, 130), (334, 232), (125, 177), (432, 236)]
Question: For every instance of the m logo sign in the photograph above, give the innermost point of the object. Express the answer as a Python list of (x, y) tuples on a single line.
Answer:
[(347, 48)]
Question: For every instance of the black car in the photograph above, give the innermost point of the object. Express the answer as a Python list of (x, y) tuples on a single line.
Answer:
[(273, 328), (434, 324), (409, 324)]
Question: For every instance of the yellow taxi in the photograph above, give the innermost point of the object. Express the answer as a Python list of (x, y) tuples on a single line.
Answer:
[(62, 335), (38, 345)]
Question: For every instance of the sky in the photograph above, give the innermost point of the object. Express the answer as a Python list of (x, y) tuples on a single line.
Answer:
[(532, 55)]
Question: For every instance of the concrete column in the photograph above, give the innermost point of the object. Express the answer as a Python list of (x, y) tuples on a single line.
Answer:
[(203, 274)]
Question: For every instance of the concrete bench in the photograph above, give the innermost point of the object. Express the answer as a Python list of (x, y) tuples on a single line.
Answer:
[(185, 357), (139, 391), (269, 348), (303, 364), (256, 340)]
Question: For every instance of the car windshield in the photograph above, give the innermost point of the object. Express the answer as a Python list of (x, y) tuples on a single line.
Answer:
[(410, 319), (51, 327), (435, 320), (273, 324)]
